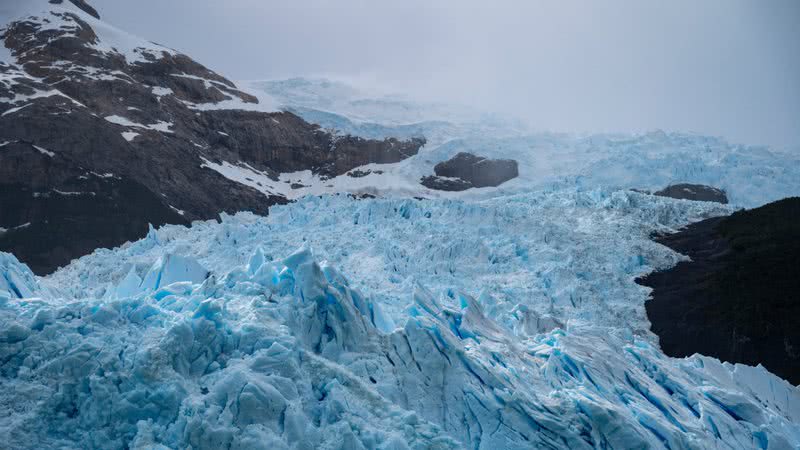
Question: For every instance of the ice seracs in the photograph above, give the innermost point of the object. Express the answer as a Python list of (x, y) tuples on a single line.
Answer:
[(16, 279), (337, 322)]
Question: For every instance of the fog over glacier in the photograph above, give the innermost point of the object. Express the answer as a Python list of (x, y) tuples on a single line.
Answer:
[(723, 68)]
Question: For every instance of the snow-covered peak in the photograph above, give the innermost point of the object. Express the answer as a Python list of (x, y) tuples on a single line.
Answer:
[(12, 10), (65, 18)]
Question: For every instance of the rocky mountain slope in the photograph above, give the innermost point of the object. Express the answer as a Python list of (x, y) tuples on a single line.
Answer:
[(738, 299), (94, 120)]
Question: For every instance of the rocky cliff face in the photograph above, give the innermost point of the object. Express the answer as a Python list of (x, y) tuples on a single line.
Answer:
[(738, 299), (81, 100)]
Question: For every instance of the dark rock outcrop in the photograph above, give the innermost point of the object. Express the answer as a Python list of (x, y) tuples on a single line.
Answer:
[(362, 173), (445, 184), (80, 4), (72, 106), (87, 212), (465, 170), (739, 298), (697, 192)]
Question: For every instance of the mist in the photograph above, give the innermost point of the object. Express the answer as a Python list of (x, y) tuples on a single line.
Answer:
[(722, 68)]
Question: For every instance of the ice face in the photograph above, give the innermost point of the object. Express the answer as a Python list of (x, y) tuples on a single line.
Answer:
[(172, 269), (16, 279), (512, 322)]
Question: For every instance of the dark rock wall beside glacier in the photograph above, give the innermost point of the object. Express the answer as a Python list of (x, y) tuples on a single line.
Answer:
[(739, 297)]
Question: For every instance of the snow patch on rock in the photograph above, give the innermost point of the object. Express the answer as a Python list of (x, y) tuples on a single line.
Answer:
[(161, 125)]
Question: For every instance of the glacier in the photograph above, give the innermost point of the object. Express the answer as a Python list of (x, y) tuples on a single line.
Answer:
[(507, 322), (494, 318), (751, 175)]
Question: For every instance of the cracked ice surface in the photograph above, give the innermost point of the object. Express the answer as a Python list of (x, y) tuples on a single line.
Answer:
[(512, 322)]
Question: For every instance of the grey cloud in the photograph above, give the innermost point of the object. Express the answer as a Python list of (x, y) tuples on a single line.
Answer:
[(729, 68)]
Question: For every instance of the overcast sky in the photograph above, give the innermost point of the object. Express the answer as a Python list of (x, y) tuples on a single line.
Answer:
[(721, 67)]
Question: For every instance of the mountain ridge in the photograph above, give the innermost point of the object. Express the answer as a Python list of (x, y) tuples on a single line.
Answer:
[(100, 100)]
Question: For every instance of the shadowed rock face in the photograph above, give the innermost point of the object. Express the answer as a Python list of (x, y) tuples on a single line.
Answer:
[(150, 120), (85, 212), (739, 297), (697, 192), (465, 170)]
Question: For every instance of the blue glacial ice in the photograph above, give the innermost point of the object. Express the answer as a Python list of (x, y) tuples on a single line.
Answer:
[(16, 280), (509, 322), (751, 175)]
